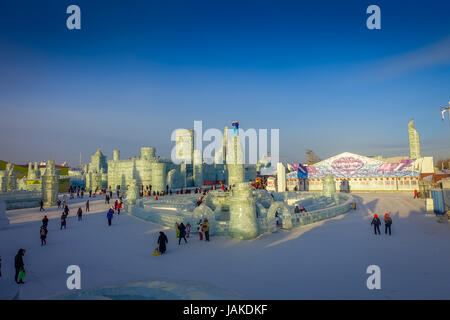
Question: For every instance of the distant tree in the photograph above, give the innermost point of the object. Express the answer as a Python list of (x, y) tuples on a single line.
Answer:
[(311, 157)]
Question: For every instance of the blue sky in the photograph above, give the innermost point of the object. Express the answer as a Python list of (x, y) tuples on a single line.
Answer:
[(139, 69)]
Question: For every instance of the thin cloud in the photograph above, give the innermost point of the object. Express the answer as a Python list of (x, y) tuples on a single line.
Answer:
[(435, 54)]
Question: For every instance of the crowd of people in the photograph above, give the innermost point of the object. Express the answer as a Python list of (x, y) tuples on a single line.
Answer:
[(182, 231)]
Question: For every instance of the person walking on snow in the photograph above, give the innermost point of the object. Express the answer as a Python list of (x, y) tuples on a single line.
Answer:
[(45, 222), (80, 214), (376, 223), (199, 229), (43, 233), (87, 206), (177, 230), (63, 221), (188, 229), (41, 203), (416, 194), (162, 240), (182, 234), (19, 265), (119, 206), (205, 227), (66, 210), (109, 215), (387, 223)]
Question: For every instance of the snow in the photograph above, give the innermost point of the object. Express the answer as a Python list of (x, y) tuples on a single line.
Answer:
[(324, 260)]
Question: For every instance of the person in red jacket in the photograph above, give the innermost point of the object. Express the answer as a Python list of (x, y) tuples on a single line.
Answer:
[(416, 194)]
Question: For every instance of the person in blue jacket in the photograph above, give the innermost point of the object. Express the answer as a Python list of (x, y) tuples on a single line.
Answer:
[(109, 215)]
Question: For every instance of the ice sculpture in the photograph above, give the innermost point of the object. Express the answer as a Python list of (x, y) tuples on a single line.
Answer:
[(243, 223)]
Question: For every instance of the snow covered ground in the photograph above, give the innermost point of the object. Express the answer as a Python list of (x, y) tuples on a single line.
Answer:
[(325, 260)]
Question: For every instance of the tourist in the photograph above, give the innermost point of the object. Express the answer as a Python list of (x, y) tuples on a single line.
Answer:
[(387, 223), (79, 214), (303, 209), (45, 221), (66, 210), (188, 229), (177, 229), (106, 199), (117, 206), (199, 228), (19, 265), (205, 227), (87, 206), (90, 193), (182, 234), (41, 203), (376, 223), (297, 209), (162, 240), (58, 202), (109, 215), (416, 194), (43, 233), (82, 193), (63, 221)]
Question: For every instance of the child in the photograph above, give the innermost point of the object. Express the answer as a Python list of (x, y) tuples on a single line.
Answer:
[(188, 229), (156, 252)]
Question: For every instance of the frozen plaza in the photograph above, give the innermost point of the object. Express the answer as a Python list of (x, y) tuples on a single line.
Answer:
[(322, 260)]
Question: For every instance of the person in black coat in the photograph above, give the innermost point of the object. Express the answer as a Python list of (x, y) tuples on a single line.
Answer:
[(182, 234), (18, 264), (80, 214), (43, 233), (376, 222), (45, 222), (63, 221), (162, 240)]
